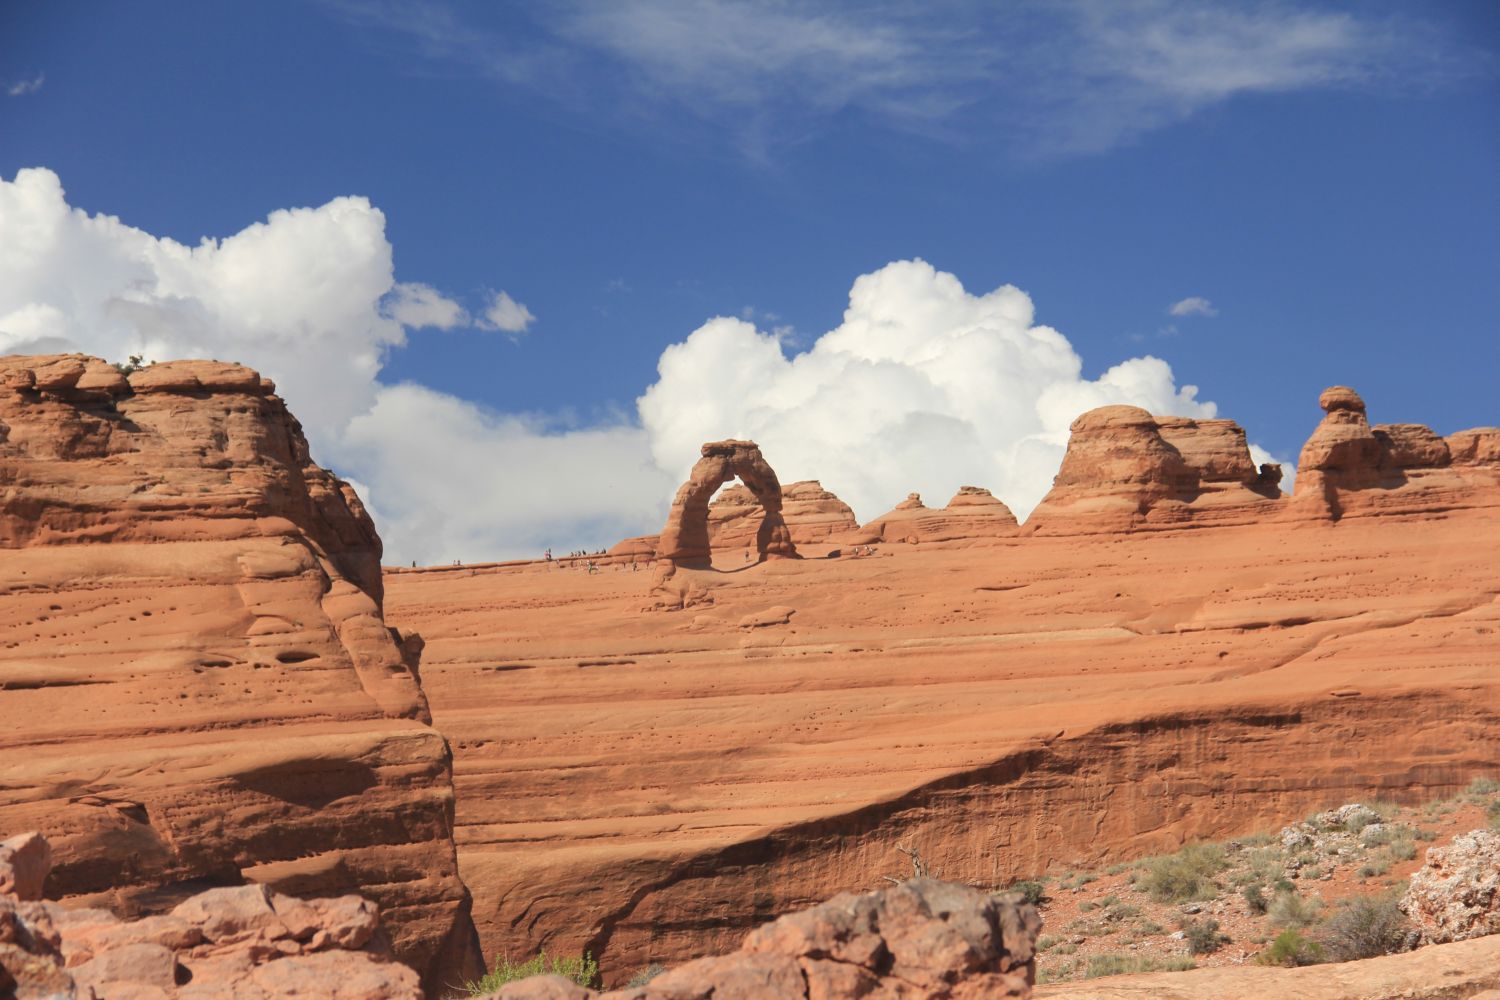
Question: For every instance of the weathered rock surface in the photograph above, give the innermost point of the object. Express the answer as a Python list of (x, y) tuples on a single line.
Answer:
[(1349, 468), (922, 940), (245, 942), (653, 787), (1455, 895), (1466, 971), (197, 686), (973, 515), (1125, 470)]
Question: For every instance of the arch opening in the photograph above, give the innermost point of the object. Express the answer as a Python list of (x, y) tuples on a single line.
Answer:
[(685, 541)]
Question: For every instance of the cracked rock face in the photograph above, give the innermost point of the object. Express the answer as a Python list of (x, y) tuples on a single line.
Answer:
[(921, 940), (199, 684), (246, 942)]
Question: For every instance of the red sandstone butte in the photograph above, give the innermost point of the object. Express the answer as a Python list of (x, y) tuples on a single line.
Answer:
[(199, 687), (1182, 653)]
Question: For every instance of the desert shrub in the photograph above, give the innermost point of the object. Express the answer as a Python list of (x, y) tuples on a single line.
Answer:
[(1402, 849), (1493, 811), (1288, 909), (583, 971), (1031, 891), (1484, 786), (645, 975), (1364, 927), (1421, 834), (1044, 943), (1114, 964), (1359, 821), (1186, 875), (1255, 899), (1203, 936), (1312, 873), (1284, 884), (1291, 948)]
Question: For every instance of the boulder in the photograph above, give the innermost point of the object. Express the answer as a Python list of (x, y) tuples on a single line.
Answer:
[(921, 940), (1455, 895), (242, 942)]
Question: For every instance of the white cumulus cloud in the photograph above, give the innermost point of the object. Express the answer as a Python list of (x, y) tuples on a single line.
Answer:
[(1193, 305), (923, 386)]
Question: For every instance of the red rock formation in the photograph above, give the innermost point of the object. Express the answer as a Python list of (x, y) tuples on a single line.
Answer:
[(922, 940), (811, 514), (1348, 468), (1125, 469), (199, 686), (245, 942), (685, 540), (650, 788), (973, 515)]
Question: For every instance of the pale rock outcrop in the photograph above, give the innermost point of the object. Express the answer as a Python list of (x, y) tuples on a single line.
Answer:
[(1126, 469), (244, 942), (921, 940), (973, 515), (199, 687), (1455, 895)]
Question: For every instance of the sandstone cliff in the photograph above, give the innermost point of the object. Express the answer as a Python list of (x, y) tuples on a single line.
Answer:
[(198, 684)]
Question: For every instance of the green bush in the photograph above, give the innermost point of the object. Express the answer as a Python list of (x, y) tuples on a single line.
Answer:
[(1291, 949), (1031, 891), (1291, 910), (1255, 899), (583, 971), (1493, 811), (1484, 786), (1203, 936), (1186, 875), (1365, 927)]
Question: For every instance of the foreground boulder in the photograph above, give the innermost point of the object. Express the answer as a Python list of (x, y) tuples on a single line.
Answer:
[(245, 942), (197, 684), (921, 940), (1455, 896)]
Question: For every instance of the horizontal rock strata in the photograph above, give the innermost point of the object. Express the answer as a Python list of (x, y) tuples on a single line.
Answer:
[(197, 686)]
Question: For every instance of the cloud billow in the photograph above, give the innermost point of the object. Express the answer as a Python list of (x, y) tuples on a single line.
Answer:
[(923, 386)]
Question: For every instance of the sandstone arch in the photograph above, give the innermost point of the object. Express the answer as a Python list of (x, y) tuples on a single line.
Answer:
[(684, 541)]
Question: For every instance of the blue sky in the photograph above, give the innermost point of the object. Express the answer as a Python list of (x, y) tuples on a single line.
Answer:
[(1323, 176)]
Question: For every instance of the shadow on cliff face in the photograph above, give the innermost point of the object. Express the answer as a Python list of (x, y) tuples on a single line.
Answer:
[(314, 785)]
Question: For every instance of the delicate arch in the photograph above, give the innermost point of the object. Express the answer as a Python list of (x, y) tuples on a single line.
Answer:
[(684, 540)]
